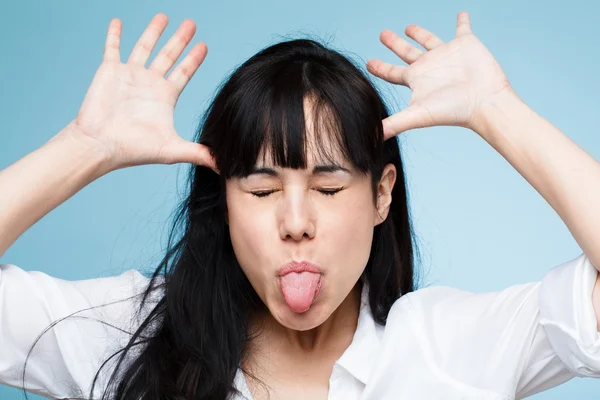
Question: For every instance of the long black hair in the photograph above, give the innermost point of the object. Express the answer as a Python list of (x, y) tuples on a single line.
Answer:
[(191, 343)]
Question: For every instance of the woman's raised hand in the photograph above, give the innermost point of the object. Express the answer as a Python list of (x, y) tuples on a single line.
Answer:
[(450, 81), (128, 108)]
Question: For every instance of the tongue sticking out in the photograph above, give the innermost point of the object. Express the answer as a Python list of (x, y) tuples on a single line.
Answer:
[(300, 289)]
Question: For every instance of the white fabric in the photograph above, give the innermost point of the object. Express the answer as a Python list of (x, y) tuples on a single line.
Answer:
[(439, 342)]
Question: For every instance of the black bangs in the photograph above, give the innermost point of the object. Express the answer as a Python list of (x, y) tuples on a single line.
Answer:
[(292, 101)]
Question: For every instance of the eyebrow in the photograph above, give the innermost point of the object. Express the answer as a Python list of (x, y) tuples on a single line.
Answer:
[(319, 169)]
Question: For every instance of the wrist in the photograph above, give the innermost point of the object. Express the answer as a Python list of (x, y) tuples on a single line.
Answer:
[(78, 141), (504, 104)]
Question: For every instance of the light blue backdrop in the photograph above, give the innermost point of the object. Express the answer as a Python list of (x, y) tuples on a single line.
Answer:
[(481, 226)]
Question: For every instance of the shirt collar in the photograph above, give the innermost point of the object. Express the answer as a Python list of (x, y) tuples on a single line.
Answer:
[(358, 359)]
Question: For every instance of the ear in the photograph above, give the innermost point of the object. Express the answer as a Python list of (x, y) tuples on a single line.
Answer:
[(384, 193)]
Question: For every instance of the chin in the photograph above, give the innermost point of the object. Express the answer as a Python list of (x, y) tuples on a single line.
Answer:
[(310, 319)]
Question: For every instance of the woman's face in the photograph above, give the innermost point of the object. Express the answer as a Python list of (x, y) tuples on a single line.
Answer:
[(323, 214)]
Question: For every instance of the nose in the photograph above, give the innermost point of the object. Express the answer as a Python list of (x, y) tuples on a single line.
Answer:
[(296, 216)]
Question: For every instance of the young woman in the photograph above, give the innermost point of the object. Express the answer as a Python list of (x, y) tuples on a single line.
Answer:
[(289, 273)]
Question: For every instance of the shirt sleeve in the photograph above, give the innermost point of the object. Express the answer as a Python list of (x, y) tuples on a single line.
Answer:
[(63, 356), (516, 342), (569, 327)]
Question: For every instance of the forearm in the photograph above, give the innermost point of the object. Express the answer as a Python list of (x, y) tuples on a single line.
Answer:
[(565, 175), (37, 183)]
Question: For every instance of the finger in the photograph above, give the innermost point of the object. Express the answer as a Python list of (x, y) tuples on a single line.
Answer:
[(169, 54), (189, 152), (389, 72), (144, 46), (113, 41), (410, 118), (422, 36), (463, 24), (401, 47), (182, 74)]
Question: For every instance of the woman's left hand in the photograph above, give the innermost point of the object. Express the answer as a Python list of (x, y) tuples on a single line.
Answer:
[(450, 81)]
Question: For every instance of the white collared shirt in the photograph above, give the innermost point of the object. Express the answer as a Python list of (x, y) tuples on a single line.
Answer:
[(438, 343)]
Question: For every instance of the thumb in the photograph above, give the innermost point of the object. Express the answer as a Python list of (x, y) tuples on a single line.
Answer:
[(412, 117), (183, 151)]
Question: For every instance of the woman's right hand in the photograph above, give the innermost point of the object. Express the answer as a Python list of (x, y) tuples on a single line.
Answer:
[(128, 108)]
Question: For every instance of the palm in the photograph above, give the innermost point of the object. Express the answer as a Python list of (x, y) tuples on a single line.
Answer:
[(128, 108), (443, 104), (449, 82)]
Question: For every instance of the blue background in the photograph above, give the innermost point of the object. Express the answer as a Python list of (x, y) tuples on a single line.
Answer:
[(481, 226)]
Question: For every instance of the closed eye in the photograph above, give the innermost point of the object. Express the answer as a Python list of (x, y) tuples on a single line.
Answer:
[(262, 194), (327, 192)]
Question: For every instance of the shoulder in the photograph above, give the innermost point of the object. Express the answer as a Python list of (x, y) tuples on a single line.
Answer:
[(456, 323), (441, 302), (477, 339), (78, 324), (109, 299)]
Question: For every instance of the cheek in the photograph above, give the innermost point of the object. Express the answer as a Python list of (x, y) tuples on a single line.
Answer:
[(350, 230), (249, 237)]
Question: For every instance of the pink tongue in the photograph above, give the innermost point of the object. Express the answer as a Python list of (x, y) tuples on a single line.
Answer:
[(299, 289)]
